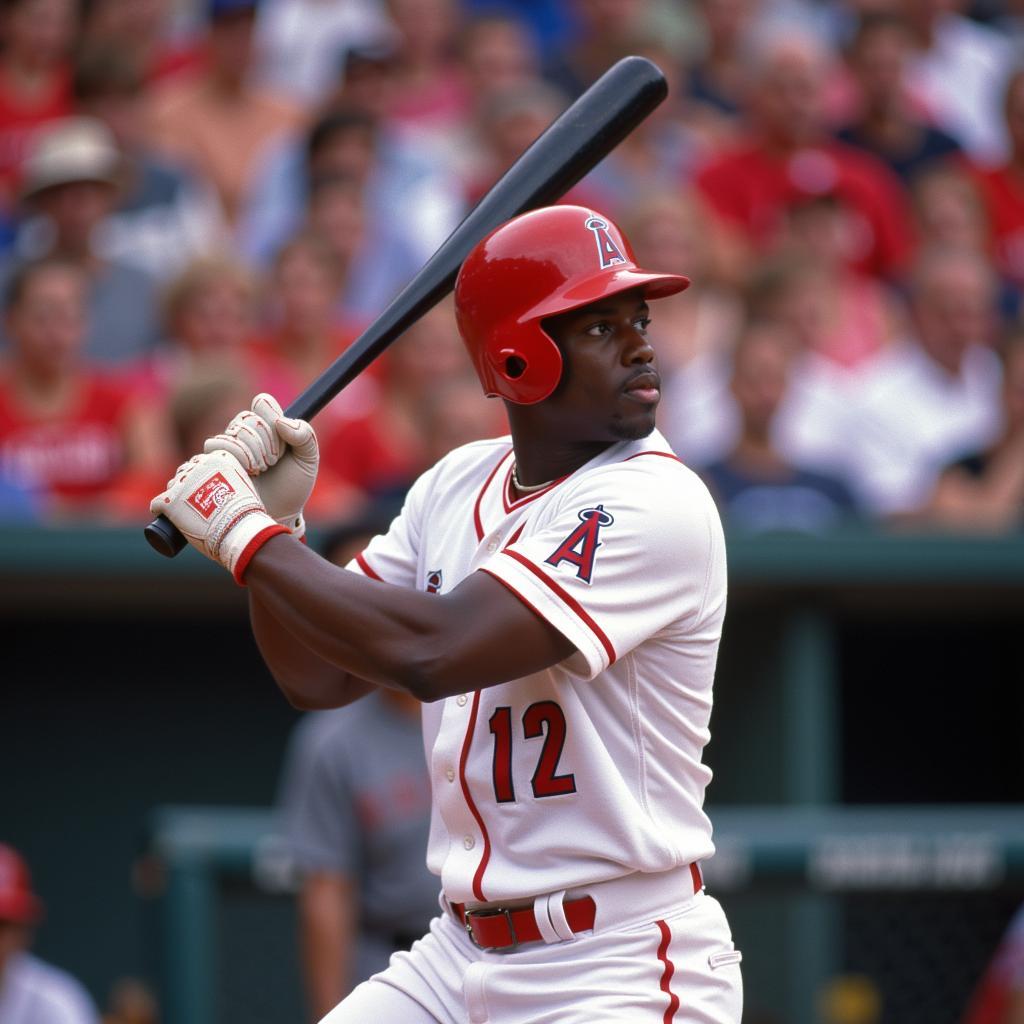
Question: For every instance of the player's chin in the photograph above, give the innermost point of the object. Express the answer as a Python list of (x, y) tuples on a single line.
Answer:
[(632, 427)]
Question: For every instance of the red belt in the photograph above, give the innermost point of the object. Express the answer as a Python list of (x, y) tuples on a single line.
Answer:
[(507, 929)]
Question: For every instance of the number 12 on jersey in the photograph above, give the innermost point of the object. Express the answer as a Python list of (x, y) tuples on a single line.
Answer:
[(544, 718)]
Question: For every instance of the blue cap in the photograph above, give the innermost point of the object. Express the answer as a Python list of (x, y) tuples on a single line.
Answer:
[(225, 8)]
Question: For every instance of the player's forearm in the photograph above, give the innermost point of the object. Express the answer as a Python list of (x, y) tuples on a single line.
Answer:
[(309, 682), (389, 636)]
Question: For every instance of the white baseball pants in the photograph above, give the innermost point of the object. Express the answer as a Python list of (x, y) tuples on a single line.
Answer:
[(676, 967)]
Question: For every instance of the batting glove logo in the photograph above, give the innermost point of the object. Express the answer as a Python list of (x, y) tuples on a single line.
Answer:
[(211, 495)]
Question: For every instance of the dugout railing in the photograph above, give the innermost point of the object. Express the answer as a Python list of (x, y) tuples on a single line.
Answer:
[(792, 872)]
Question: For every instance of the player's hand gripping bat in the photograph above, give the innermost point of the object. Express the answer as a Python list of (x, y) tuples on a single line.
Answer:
[(573, 144)]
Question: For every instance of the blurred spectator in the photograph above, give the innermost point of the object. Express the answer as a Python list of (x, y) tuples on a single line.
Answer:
[(71, 183), (551, 22), (165, 216), (371, 268), (984, 490), (932, 397), (63, 426), (31, 990), (957, 73), (886, 123), (841, 314), (790, 156), (715, 79), (661, 153), (507, 123), (201, 399), (382, 453), (19, 502), (601, 28), (692, 332), (496, 53), (755, 487), (355, 807), (151, 31), (304, 45), (131, 1002), (306, 334), (999, 998), (411, 201), (498, 59), (430, 97), (217, 121), (210, 313), (1002, 187), (949, 212), (35, 79)]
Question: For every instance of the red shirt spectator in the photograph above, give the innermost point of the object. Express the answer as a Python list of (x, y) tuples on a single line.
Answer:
[(791, 158), (1002, 189), (752, 188), (64, 427), (76, 454), (35, 79)]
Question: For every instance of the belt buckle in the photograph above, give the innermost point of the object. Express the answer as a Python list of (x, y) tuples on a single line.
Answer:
[(495, 912)]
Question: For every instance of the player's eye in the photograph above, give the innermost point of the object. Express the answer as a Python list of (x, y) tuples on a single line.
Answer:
[(598, 330), (642, 323)]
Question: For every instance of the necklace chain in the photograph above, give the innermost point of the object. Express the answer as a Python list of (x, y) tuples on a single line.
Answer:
[(523, 487)]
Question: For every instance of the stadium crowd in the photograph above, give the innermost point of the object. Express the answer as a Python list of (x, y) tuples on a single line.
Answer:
[(202, 199)]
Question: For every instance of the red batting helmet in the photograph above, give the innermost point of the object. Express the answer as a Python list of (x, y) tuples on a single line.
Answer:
[(17, 901), (538, 264)]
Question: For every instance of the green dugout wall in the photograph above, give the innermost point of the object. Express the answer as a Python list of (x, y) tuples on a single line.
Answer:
[(868, 686)]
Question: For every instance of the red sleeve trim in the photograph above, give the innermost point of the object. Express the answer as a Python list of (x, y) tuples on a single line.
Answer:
[(567, 599), (253, 546), (365, 566)]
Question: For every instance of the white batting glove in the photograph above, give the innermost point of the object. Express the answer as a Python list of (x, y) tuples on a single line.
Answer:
[(212, 500), (280, 453)]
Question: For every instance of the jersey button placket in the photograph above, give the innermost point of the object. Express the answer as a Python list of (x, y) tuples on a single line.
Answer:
[(461, 700)]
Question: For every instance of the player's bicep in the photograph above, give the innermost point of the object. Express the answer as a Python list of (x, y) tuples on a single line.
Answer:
[(502, 636)]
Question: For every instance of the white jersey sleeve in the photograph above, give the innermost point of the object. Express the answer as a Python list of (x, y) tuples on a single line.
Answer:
[(631, 551), (393, 557)]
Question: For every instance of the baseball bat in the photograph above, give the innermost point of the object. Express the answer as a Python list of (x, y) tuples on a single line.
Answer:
[(570, 146)]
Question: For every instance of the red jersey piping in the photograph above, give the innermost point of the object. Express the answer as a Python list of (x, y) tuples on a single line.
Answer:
[(506, 492), (664, 455), (478, 891), (477, 522), (668, 970)]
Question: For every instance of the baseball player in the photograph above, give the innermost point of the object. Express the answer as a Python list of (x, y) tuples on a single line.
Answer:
[(555, 600)]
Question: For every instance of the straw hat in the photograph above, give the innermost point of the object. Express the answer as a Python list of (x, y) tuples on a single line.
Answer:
[(71, 150)]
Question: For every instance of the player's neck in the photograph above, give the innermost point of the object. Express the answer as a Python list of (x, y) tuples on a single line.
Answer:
[(542, 459)]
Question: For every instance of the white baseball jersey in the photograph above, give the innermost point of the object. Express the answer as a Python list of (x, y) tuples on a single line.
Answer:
[(591, 769)]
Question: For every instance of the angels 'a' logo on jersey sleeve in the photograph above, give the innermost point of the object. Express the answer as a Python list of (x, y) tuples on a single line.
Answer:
[(434, 581), (580, 547)]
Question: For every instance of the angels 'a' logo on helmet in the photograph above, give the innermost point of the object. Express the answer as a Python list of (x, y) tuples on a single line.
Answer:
[(580, 547), (608, 252)]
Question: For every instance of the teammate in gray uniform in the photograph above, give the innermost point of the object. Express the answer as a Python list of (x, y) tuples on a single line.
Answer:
[(355, 803)]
